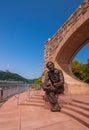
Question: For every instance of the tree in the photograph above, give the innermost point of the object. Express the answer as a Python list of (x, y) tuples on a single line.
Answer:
[(38, 81), (81, 70), (77, 69), (86, 72)]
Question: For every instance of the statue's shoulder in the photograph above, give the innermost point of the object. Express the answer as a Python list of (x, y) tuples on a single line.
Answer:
[(47, 73)]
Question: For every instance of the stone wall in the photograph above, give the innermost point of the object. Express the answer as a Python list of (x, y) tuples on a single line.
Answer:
[(56, 41), (65, 44)]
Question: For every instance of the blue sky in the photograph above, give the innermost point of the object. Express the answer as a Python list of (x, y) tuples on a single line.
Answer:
[(25, 26)]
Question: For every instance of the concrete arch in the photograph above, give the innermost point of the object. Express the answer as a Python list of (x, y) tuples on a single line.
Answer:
[(66, 43), (71, 47), (66, 54)]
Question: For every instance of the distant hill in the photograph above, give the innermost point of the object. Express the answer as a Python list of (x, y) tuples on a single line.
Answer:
[(12, 76), (32, 81), (9, 76)]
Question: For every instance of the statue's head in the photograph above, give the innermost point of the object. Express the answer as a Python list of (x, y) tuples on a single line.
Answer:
[(50, 65)]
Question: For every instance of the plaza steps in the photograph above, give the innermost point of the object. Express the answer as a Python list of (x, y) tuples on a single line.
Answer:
[(16, 117), (35, 100), (78, 110)]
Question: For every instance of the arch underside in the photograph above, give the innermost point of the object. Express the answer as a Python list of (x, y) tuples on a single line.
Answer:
[(71, 47), (66, 43)]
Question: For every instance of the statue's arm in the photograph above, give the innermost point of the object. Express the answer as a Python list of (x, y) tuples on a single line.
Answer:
[(47, 86), (61, 82), (46, 80)]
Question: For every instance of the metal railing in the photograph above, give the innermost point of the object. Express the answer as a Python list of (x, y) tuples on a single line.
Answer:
[(8, 89)]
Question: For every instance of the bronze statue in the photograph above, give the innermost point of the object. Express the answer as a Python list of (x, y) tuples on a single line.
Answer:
[(53, 85)]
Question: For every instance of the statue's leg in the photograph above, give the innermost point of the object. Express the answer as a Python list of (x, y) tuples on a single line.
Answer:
[(51, 97), (57, 96), (53, 101)]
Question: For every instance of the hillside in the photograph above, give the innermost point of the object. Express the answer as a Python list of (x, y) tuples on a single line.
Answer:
[(11, 76)]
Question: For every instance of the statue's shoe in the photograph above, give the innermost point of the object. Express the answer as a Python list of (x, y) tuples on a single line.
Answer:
[(55, 110)]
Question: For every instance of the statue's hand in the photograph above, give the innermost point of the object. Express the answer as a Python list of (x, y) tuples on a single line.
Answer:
[(52, 88), (57, 85)]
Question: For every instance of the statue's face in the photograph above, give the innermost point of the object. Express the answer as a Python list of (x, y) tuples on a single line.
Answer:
[(50, 66)]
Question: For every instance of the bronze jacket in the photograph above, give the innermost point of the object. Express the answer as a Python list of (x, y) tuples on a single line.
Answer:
[(56, 79)]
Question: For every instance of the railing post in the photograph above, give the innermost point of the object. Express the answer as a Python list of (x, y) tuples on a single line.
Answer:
[(20, 121), (17, 97)]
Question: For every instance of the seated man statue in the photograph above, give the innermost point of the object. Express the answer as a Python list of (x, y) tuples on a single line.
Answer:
[(53, 85)]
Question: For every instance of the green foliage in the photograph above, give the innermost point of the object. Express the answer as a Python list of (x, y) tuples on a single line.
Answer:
[(36, 87), (86, 72), (38, 81), (32, 81), (11, 77), (8, 76), (81, 70)]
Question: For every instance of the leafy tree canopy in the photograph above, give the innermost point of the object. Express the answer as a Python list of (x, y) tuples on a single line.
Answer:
[(81, 70), (38, 81)]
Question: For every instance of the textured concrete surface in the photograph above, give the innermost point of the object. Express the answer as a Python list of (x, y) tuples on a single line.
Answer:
[(14, 116), (65, 44)]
